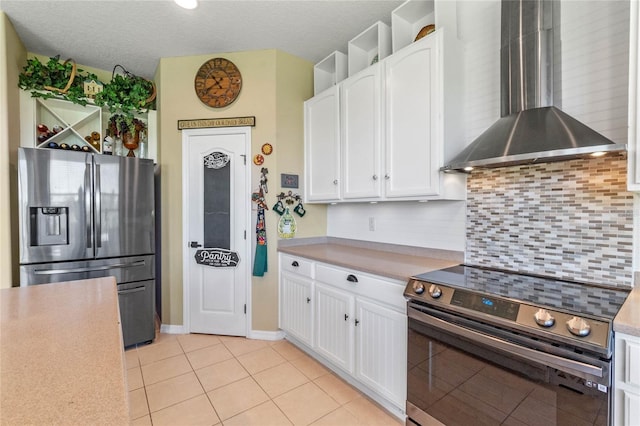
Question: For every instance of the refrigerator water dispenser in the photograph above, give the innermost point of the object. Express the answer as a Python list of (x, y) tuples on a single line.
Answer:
[(49, 226)]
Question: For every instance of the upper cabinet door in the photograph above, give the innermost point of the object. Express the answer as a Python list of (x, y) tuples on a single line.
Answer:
[(413, 120), (322, 146), (361, 134)]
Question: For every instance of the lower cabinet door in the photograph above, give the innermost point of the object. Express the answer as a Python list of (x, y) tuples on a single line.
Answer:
[(297, 307), (334, 325), (381, 350), (136, 302)]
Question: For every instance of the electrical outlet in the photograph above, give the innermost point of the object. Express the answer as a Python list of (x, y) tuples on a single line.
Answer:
[(372, 224)]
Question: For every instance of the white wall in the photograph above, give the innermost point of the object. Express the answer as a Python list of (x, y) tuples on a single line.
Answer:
[(436, 224)]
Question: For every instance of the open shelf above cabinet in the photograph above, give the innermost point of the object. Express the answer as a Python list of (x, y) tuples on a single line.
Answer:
[(77, 125), (408, 19), (368, 47), (329, 72)]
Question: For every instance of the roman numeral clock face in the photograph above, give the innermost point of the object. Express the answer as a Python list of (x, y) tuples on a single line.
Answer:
[(218, 82)]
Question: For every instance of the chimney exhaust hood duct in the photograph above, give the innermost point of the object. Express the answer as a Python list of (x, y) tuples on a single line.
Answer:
[(531, 129)]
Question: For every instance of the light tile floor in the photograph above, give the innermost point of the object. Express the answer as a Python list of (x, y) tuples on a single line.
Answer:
[(197, 379)]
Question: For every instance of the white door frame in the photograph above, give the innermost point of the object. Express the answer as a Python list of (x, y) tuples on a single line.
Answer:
[(186, 252)]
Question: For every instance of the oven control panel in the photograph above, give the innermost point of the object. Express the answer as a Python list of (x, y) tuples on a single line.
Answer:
[(561, 326), (487, 305)]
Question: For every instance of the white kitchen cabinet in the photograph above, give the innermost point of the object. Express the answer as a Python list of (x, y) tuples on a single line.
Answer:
[(381, 348), (322, 146), (391, 132), (334, 325), (296, 295), (361, 119), (413, 123), (627, 380), (359, 325)]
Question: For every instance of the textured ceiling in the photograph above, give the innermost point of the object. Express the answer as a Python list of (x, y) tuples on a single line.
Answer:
[(137, 33)]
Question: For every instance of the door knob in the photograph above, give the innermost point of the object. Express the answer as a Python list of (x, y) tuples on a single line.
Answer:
[(194, 244)]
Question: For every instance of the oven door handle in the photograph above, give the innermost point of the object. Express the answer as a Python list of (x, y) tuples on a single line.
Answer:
[(566, 365)]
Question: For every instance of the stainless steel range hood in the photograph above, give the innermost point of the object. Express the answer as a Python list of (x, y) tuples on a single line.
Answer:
[(531, 128)]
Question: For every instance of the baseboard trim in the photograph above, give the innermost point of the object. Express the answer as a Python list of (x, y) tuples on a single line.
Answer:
[(172, 329), (253, 334), (266, 335)]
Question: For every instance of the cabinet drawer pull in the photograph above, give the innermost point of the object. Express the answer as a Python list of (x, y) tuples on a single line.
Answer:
[(346, 317), (357, 322), (295, 264), (308, 300), (352, 278)]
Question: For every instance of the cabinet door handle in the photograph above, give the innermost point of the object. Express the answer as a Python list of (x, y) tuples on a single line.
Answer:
[(357, 322), (352, 278), (308, 300), (295, 264), (346, 317), (335, 181), (387, 176), (375, 177)]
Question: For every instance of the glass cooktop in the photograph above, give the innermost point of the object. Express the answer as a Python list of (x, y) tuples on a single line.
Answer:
[(551, 293)]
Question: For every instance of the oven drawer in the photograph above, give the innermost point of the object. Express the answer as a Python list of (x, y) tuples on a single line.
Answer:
[(361, 284), (296, 265)]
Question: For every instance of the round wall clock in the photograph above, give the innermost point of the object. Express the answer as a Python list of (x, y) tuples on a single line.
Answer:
[(218, 82)]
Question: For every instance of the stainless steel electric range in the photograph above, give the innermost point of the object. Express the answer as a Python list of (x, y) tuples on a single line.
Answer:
[(487, 346)]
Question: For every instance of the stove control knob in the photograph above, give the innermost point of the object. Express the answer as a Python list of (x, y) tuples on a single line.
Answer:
[(418, 288), (544, 318), (434, 291), (578, 327)]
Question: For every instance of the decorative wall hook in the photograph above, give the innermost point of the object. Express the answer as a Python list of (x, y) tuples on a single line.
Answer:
[(289, 198)]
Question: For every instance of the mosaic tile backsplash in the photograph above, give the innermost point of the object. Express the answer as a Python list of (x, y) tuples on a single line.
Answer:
[(571, 220)]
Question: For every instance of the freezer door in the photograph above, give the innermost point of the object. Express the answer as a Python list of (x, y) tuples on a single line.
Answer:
[(124, 207), (126, 269), (54, 205), (137, 311)]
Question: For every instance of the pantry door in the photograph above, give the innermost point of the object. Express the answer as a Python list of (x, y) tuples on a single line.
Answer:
[(216, 212)]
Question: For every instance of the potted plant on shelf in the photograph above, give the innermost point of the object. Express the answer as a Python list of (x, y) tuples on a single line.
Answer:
[(55, 79), (129, 129), (127, 93)]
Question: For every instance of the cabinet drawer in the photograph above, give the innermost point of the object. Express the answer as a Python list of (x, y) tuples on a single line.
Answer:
[(297, 265), (359, 283)]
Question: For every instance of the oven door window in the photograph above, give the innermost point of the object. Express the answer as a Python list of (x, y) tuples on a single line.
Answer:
[(459, 382)]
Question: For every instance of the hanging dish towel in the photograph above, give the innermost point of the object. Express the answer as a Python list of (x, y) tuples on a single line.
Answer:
[(260, 261)]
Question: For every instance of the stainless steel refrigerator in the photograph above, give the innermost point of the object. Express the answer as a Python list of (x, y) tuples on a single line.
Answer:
[(89, 216)]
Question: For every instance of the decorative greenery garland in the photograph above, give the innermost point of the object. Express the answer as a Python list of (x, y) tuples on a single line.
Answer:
[(125, 94)]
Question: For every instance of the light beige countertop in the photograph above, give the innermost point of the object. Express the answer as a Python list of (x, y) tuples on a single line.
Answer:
[(61, 355), (396, 262), (628, 319)]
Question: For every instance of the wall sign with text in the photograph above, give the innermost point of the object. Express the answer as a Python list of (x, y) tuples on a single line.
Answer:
[(217, 257)]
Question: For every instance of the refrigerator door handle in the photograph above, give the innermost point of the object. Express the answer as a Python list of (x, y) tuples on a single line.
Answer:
[(98, 215), (87, 200), (91, 269), (132, 290)]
